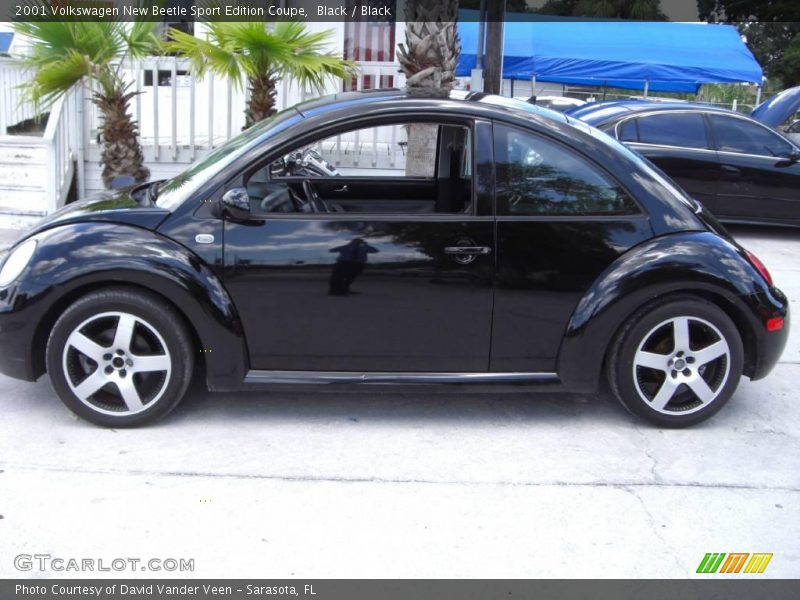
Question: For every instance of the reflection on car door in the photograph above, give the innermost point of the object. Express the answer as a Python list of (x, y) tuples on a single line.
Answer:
[(365, 289), (758, 180)]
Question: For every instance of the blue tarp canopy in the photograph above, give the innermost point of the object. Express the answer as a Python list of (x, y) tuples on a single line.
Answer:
[(672, 57)]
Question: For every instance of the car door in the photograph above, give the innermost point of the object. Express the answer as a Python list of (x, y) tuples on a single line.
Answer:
[(561, 221), (760, 177), (396, 278), (678, 143)]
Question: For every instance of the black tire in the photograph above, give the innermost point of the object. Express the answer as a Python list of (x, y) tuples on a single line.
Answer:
[(637, 386), (157, 332)]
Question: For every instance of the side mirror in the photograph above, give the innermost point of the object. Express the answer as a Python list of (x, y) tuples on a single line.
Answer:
[(792, 159), (236, 204)]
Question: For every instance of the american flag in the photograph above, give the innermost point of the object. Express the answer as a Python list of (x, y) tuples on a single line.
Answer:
[(368, 39)]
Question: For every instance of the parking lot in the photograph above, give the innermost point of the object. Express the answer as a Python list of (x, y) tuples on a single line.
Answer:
[(370, 485)]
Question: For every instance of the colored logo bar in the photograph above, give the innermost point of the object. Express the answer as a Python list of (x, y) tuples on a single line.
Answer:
[(734, 562)]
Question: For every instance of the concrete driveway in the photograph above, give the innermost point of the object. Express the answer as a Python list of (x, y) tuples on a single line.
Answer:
[(411, 486)]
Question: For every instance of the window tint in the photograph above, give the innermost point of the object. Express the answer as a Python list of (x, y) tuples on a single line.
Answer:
[(738, 135), (628, 131), (539, 177), (684, 130)]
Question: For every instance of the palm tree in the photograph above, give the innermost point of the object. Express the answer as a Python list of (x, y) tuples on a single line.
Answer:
[(262, 55), (430, 55), (63, 53), (428, 60)]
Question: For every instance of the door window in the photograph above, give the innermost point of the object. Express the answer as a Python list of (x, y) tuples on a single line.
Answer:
[(738, 135), (685, 130), (538, 177), (403, 168)]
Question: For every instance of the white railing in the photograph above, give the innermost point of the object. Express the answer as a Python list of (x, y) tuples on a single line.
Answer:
[(61, 140), (181, 116), (12, 109)]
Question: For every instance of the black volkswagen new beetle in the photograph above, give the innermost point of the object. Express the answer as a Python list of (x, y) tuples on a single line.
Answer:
[(386, 238)]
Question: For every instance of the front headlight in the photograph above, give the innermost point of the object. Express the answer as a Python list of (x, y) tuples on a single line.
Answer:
[(16, 262)]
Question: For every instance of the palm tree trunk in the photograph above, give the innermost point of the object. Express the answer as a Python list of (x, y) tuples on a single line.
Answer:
[(428, 60), (430, 54), (261, 104), (122, 154)]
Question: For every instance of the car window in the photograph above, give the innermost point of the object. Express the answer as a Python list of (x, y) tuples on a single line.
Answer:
[(402, 168), (685, 130), (381, 151), (538, 177), (739, 135), (628, 131)]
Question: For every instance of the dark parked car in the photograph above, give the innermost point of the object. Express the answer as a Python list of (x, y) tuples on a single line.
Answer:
[(740, 169), (520, 250)]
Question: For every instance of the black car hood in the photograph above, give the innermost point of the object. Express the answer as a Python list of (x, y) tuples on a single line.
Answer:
[(779, 108), (116, 206)]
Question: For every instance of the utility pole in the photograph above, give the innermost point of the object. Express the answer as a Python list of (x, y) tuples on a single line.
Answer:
[(493, 62), (476, 81)]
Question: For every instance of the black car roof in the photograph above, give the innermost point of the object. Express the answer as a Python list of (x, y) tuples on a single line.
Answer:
[(430, 98), (603, 112)]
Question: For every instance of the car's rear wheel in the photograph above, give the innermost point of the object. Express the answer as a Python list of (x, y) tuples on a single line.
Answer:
[(120, 357), (676, 362)]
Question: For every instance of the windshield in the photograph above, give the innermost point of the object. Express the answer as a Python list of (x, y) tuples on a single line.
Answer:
[(174, 191)]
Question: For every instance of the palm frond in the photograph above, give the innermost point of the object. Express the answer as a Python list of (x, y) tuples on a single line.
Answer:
[(141, 39), (207, 55), (54, 79)]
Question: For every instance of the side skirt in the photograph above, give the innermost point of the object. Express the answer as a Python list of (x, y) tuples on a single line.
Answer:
[(257, 379)]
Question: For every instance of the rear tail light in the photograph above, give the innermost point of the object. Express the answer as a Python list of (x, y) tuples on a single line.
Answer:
[(774, 324), (759, 266)]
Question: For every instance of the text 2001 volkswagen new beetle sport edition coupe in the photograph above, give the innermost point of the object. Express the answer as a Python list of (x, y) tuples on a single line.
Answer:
[(525, 249)]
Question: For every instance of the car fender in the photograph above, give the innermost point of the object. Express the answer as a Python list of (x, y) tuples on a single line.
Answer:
[(693, 262), (82, 256)]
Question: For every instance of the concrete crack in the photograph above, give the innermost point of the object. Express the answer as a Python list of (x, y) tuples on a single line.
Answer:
[(400, 480), (654, 526)]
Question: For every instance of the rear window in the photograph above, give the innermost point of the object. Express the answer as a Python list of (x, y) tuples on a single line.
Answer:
[(684, 130), (536, 176)]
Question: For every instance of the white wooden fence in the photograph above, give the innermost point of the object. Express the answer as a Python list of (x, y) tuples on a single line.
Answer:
[(37, 175), (182, 116), (61, 138), (13, 109)]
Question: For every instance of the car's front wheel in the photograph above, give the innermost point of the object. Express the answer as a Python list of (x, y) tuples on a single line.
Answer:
[(676, 362), (120, 357)]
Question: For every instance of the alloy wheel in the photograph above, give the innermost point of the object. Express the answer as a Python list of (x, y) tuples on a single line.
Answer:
[(681, 365), (116, 363)]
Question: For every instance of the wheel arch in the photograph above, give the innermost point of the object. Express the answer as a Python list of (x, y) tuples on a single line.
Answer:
[(704, 266), (99, 256), (51, 315)]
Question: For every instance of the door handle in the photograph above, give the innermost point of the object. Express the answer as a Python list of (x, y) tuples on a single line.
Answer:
[(342, 189), (462, 250), (731, 169)]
